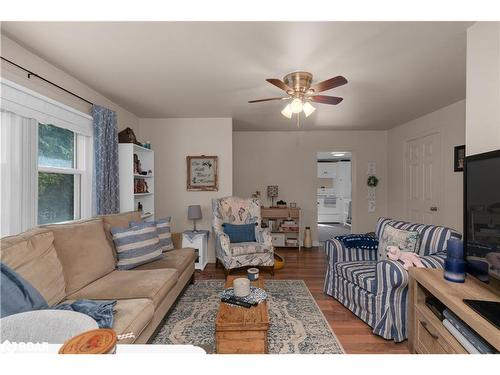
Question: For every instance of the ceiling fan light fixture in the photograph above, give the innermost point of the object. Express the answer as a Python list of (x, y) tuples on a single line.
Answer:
[(296, 105), (287, 111), (308, 109)]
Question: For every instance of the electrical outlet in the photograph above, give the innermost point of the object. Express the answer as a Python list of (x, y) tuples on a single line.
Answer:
[(371, 206)]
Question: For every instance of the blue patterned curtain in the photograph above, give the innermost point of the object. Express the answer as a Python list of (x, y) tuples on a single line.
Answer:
[(106, 179)]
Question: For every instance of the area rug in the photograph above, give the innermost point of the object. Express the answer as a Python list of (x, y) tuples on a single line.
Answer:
[(297, 325)]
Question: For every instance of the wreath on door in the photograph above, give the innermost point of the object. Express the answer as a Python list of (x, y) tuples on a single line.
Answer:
[(372, 181)]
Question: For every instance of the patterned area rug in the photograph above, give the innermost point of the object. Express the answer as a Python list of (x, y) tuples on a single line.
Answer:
[(296, 323)]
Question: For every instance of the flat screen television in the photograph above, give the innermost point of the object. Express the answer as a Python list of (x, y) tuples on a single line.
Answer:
[(482, 215)]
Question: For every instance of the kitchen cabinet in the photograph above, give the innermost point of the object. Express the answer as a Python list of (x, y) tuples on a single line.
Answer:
[(327, 170)]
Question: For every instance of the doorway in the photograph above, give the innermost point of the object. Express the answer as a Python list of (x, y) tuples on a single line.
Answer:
[(333, 195)]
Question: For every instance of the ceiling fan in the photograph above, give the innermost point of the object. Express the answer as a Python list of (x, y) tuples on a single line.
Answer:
[(301, 92)]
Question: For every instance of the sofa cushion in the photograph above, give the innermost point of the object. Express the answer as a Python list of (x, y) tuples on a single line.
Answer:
[(152, 284), (120, 220), (17, 295), (360, 273), (132, 316), (244, 248), (33, 256), (84, 252), (178, 259), (136, 245)]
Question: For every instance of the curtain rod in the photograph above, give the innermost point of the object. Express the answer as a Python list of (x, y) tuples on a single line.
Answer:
[(32, 74)]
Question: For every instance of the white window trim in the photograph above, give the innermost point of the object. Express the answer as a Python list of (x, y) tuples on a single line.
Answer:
[(28, 103)]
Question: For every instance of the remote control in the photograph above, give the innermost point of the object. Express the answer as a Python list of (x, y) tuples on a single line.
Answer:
[(234, 298), (236, 302)]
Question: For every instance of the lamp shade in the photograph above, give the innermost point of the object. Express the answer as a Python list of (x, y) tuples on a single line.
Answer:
[(272, 191), (194, 212)]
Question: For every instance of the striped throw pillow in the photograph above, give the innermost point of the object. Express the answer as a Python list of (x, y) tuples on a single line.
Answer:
[(136, 245), (164, 234)]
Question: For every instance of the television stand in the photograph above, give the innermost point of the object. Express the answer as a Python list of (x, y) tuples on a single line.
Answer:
[(426, 332)]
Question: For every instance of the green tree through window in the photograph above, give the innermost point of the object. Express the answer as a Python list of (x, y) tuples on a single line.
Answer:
[(56, 191)]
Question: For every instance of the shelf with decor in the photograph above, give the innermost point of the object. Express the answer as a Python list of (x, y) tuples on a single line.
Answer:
[(136, 167), (285, 225)]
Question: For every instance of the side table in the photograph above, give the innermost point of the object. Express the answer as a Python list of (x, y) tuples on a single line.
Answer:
[(199, 241)]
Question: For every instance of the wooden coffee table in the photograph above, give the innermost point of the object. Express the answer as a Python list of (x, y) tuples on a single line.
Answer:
[(239, 330)]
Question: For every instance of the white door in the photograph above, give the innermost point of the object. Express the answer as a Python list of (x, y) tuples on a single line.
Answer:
[(424, 179)]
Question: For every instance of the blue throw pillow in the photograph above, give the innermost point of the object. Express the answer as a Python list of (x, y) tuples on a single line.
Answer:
[(17, 295), (359, 241), (240, 232), (136, 245)]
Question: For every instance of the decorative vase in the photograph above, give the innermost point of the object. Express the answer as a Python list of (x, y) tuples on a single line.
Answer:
[(307, 238)]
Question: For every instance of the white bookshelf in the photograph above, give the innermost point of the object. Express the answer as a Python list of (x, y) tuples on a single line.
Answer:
[(128, 200)]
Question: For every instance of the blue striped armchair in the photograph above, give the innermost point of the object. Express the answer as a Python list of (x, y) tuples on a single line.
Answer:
[(376, 290)]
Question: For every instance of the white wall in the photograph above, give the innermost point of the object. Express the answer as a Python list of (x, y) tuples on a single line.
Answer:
[(173, 140), (450, 122), (288, 159), (21, 56), (483, 88)]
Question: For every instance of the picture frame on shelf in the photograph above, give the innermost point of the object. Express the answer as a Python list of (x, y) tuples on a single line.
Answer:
[(202, 173), (459, 158)]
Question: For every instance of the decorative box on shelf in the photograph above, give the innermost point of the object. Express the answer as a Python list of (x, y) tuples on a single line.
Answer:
[(285, 225), (197, 240)]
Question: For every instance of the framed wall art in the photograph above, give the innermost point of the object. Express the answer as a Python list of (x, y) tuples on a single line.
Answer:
[(459, 158), (202, 173)]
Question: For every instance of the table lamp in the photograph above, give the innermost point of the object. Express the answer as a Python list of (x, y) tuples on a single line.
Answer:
[(194, 213), (272, 192)]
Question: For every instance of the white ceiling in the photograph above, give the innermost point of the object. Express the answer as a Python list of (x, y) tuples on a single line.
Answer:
[(397, 71)]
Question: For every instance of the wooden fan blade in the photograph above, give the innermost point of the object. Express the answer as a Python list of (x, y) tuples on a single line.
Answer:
[(265, 100), (326, 99), (329, 84), (279, 83)]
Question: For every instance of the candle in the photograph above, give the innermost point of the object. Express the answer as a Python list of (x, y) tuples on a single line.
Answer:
[(454, 270), (253, 274), (241, 287), (455, 249)]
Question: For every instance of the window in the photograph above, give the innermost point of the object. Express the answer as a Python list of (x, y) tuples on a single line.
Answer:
[(59, 174), (45, 160)]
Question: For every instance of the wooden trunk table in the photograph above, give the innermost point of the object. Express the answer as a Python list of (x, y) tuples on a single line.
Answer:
[(239, 330)]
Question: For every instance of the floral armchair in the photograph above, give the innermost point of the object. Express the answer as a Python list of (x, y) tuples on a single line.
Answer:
[(234, 210), (376, 290)]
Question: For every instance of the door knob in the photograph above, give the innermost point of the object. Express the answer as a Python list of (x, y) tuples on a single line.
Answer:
[(434, 208)]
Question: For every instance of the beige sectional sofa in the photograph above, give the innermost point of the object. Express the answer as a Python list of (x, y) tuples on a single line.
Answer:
[(66, 262)]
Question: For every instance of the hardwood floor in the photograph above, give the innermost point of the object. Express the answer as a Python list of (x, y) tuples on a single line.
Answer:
[(310, 266)]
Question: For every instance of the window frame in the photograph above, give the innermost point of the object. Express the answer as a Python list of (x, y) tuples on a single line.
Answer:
[(82, 172), (30, 104)]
